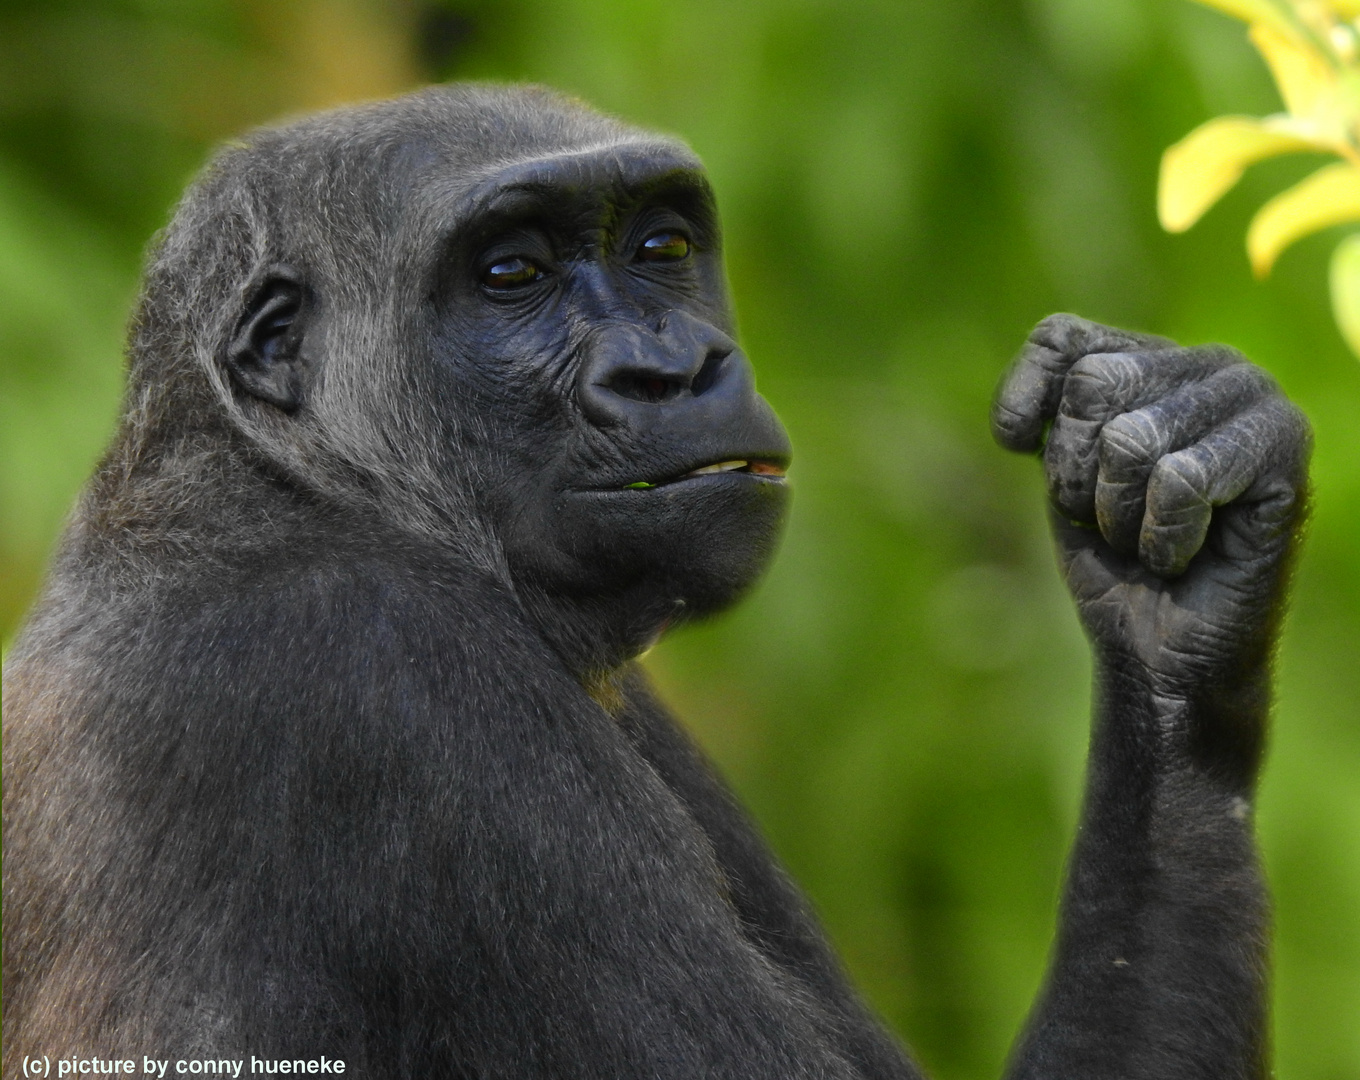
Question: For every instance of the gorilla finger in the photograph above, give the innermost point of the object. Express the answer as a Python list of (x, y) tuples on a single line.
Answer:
[(1070, 464), (1252, 457), (1098, 388), (1028, 395), (1133, 443), (1261, 522)]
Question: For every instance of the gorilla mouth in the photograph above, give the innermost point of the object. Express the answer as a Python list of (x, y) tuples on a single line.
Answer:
[(766, 470)]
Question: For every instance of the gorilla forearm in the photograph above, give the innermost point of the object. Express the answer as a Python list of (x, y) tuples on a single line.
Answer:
[(1159, 967)]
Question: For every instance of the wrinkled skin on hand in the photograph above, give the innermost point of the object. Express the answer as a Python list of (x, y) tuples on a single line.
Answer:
[(1176, 479)]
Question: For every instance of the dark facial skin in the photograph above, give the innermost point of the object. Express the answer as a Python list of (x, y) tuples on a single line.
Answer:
[(634, 462), (327, 738)]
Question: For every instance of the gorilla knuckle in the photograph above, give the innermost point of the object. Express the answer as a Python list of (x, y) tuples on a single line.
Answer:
[(1013, 429), (1244, 383), (1062, 332), (1178, 480), (1094, 384), (1132, 440)]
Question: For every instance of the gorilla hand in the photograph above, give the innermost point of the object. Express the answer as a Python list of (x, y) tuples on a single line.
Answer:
[(1176, 478)]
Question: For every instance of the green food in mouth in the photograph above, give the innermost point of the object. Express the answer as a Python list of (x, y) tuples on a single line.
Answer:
[(755, 468)]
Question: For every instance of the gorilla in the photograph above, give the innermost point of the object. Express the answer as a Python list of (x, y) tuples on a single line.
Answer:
[(327, 737)]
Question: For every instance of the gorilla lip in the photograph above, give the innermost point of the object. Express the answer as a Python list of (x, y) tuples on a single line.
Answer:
[(767, 470)]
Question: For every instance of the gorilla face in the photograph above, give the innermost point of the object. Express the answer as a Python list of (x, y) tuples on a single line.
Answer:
[(583, 315), (564, 324)]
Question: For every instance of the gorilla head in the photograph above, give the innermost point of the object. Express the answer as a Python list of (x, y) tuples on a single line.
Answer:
[(494, 317)]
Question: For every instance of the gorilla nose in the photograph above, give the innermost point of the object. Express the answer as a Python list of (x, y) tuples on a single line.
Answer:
[(685, 363)]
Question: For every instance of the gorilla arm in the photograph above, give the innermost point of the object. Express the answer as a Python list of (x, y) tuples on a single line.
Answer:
[(1176, 478)]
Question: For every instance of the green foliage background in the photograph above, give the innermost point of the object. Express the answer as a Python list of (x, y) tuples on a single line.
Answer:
[(907, 187)]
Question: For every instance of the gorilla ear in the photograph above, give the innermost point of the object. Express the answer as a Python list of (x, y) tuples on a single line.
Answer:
[(265, 353)]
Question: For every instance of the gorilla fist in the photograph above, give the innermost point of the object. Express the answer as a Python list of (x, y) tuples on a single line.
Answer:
[(1176, 478)]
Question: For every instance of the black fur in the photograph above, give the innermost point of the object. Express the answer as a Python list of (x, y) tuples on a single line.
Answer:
[(326, 737)]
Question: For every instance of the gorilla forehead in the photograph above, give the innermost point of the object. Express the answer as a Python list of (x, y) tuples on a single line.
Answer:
[(450, 152)]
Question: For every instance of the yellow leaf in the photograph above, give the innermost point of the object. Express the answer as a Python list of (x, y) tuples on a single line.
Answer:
[(1346, 290), (1329, 196), (1303, 74), (1198, 170), (1257, 12), (1347, 9)]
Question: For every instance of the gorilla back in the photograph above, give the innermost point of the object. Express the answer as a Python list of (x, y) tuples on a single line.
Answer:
[(326, 737)]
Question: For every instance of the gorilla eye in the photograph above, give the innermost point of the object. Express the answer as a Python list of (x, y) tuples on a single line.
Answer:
[(664, 247), (511, 274)]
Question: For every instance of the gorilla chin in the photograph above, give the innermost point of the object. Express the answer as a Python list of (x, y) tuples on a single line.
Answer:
[(644, 560), (708, 537)]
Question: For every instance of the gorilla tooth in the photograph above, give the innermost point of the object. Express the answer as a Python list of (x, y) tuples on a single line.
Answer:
[(722, 466)]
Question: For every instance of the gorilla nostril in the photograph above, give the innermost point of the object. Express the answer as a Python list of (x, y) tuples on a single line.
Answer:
[(708, 374), (644, 386)]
